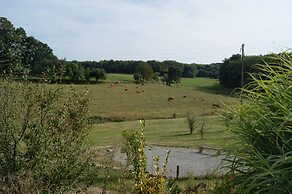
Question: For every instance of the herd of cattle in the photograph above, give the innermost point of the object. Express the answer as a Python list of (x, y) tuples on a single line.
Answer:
[(170, 98)]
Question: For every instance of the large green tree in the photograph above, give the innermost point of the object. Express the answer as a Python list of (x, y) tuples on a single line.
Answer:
[(11, 50), (145, 70), (98, 74), (174, 73), (21, 54)]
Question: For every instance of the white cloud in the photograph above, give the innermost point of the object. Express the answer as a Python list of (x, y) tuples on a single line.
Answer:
[(184, 30)]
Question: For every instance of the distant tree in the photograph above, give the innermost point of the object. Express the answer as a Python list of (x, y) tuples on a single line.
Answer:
[(158, 66), (98, 74), (210, 70), (230, 70), (74, 71), (87, 74), (189, 71), (173, 74), (156, 76), (138, 78), (145, 71)]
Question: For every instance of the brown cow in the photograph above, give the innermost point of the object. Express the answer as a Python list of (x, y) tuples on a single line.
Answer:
[(170, 98), (185, 96), (214, 105)]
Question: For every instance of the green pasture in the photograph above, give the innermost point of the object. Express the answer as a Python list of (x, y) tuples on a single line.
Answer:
[(110, 77), (150, 101), (166, 132)]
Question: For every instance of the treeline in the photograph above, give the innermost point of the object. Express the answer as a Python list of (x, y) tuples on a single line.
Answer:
[(230, 70), (21, 54)]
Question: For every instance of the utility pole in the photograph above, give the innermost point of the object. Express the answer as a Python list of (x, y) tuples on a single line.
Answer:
[(242, 70)]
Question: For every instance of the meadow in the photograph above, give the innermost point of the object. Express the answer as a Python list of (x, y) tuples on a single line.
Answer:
[(128, 101), (165, 132), (120, 103)]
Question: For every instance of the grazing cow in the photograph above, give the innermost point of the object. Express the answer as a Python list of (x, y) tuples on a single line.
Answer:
[(112, 85), (142, 90), (137, 87), (214, 105), (204, 99), (170, 98), (138, 91), (126, 89), (195, 98), (117, 82), (185, 96)]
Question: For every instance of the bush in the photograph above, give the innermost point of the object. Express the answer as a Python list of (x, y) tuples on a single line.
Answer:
[(192, 123), (42, 134), (138, 78), (134, 147), (262, 163)]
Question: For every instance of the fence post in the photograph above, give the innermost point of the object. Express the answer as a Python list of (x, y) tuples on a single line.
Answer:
[(177, 172)]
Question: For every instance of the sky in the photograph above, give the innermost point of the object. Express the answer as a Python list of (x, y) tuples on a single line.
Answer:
[(189, 31)]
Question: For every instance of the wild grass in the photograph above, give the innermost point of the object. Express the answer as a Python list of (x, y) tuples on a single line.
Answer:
[(263, 161)]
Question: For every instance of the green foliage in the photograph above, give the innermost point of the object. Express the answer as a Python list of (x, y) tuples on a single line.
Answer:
[(134, 146), (230, 70), (145, 71), (173, 75), (211, 71), (262, 163), (138, 78), (98, 74), (156, 76), (130, 146), (21, 54), (42, 135), (189, 71), (74, 71)]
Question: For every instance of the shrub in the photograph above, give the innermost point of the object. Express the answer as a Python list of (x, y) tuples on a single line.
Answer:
[(138, 78), (134, 146), (42, 134), (192, 123), (262, 163)]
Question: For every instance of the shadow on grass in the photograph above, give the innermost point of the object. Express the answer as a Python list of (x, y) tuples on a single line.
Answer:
[(181, 134), (216, 89)]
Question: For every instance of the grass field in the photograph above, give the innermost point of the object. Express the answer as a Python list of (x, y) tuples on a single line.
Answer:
[(110, 77), (166, 123), (170, 132), (150, 101)]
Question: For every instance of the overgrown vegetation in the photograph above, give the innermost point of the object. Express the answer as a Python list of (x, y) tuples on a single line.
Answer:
[(42, 138), (145, 183), (262, 162)]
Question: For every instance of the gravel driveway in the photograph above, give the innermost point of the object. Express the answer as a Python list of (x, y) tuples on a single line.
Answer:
[(189, 160)]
